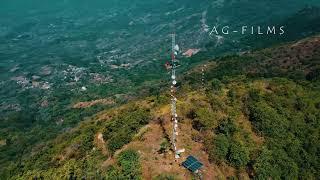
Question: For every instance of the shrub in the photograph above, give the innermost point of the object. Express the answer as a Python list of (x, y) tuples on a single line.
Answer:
[(221, 144), (227, 127), (129, 162), (164, 146), (118, 140), (264, 168), (313, 75), (216, 85), (121, 129), (128, 166), (238, 155), (267, 120), (204, 119), (164, 177), (113, 173), (232, 95)]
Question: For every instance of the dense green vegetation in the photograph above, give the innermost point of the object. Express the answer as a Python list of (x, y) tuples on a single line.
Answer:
[(73, 154), (128, 166), (120, 130), (62, 158), (227, 148), (289, 120), (282, 107), (286, 115)]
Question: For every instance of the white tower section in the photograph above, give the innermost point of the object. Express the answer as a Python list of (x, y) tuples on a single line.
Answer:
[(174, 115)]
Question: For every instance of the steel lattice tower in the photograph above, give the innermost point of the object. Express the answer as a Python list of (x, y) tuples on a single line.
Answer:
[(174, 115)]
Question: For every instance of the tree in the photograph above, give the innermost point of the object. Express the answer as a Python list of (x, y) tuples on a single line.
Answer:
[(222, 145), (216, 85), (129, 162), (264, 166), (238, 155)]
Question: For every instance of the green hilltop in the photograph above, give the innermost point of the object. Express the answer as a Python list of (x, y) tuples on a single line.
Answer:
[(256, 117)]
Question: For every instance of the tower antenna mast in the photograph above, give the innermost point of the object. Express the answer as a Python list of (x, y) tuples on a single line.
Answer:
[(174, 115)]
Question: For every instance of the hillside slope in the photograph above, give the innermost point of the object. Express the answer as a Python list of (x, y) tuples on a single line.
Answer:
[(256, 117)]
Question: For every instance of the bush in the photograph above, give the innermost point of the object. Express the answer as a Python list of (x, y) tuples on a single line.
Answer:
[(204, 119), (129, 166), (113, 173), (230, 145), (164, 146), (164, 177), (227, 127), (222, 145), (267, 120), (313, 75), (232, 95), (238, 155), (216, 85), (129, 162), (121, 129), (119, 140), (264, 166)]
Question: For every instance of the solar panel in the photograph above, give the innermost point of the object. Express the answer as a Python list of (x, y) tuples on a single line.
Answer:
[(192, 164)]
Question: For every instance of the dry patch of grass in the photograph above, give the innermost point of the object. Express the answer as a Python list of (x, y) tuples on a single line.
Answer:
[(100, 144), (107, 101)]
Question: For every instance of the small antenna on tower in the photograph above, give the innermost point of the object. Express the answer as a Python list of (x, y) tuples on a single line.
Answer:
[(203, 77)]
